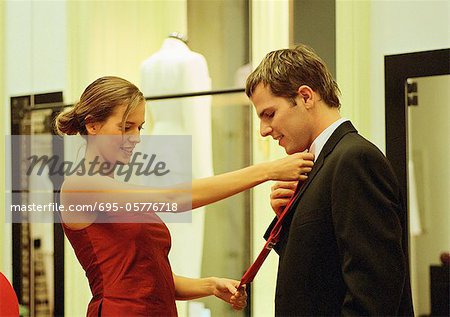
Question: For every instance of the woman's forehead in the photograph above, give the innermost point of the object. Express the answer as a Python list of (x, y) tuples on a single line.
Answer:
[(137, 114)]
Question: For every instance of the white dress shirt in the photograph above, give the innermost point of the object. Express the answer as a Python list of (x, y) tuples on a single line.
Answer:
[(319, 142)]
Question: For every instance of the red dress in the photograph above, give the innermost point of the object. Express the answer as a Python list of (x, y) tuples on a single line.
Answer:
[(9, 305), (127, 267)]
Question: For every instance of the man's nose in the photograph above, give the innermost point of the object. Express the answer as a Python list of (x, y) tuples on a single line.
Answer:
[(265, 129)]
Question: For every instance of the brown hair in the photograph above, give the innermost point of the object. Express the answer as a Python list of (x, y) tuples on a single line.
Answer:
[(99, 101), (284, 71)]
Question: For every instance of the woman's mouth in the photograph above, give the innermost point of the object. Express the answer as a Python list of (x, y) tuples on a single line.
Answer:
[(128, 151)]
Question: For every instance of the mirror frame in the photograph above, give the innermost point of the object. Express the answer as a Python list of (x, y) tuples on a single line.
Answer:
[(397, 69)]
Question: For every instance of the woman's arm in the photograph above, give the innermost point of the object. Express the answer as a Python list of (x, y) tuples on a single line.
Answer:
[(225, 289), (208, 190), (103, 193)]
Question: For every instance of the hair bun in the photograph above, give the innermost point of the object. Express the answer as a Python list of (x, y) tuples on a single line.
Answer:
[(68, 123)]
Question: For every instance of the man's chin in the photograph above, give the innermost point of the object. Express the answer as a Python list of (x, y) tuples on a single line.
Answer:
[(288, 151), (293, 151)]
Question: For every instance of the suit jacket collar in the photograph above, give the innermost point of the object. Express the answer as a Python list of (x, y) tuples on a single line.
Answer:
[(338, 134)]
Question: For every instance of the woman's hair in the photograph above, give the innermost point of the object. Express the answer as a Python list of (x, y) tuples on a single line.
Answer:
[(284, 71), (97, 103)]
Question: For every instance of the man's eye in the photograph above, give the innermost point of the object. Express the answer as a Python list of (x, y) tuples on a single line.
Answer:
[(269, 114)]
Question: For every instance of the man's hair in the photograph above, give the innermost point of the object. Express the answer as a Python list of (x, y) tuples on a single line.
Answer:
[(284, 71)]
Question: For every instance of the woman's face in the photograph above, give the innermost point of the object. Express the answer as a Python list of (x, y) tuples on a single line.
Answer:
[(113, 142)]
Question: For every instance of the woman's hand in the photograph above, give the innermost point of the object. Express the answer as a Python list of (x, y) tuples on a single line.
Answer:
[(280, 195), (291, 168), (226, 290)]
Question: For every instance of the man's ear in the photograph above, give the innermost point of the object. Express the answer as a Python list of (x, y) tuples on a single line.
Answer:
[(306, 94), (92, 127)]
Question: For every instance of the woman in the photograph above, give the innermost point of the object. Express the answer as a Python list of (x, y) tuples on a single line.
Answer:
[(126, 257)]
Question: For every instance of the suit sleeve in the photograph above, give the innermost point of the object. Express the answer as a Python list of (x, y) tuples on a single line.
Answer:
[(366, 211)]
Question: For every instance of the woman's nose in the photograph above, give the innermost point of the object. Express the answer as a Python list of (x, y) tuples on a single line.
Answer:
[(135, 137)]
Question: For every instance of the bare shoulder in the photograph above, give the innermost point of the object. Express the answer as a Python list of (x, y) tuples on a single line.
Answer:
[(74, 195), (85, 183), (93, 184)]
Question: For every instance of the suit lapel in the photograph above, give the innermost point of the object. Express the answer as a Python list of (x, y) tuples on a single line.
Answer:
[(331, 143), (334, 139)]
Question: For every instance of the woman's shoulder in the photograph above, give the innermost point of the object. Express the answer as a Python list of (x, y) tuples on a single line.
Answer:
[(86, 183), (75, 193), (71, 182)]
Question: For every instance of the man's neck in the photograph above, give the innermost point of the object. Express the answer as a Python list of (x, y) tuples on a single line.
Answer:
[(325, 116)]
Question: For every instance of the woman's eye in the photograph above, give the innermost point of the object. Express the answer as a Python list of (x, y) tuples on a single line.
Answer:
[(269, 114)]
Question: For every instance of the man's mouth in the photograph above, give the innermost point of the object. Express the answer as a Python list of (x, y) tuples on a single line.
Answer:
[(278, 138)]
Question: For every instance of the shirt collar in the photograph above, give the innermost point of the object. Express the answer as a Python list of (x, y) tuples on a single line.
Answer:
[(317, 145)]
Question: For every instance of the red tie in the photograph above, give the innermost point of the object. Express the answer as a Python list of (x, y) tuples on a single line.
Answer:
[(273, 239)]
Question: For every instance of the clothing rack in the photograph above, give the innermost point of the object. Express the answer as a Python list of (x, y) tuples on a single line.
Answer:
[(52, 105)]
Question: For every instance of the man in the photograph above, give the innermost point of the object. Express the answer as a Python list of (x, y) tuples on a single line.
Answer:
[(341, 250)]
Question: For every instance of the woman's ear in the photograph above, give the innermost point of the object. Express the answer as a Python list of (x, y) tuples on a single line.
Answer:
[(92, 127)]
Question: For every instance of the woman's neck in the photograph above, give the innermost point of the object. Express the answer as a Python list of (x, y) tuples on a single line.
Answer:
[(98, 165)]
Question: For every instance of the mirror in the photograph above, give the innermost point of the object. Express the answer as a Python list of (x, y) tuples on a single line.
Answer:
[(428, 187), (36, 246)]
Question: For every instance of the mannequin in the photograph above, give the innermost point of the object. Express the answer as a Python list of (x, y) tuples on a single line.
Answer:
[(175, 69)]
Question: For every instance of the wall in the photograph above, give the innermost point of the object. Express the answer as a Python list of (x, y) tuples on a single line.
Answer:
[(34, 59), (319, 16), (401, 27), (366, 31), (3, 227), (353, 35), (270, 31), (226, 43), (114, 38)]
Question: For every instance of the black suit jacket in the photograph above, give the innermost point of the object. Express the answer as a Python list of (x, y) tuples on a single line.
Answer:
[(341, 249)]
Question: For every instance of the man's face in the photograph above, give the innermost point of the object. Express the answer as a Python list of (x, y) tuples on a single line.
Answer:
[(290, 125)]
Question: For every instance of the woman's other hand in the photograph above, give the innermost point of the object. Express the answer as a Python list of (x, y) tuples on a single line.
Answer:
[(226, 290)]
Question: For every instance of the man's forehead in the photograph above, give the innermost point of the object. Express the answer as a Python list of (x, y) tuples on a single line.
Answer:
[(262, 87)]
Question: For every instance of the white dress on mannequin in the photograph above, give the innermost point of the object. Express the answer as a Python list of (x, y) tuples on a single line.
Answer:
[(175, 69)]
